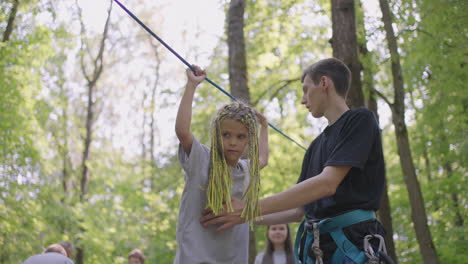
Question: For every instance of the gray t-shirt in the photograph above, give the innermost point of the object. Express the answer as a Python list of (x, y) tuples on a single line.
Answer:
[(279, 257), (48, 258), (197, 244)]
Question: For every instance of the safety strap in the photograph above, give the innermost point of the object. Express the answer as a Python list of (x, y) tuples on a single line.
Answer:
[(334, 226), (297, 243)]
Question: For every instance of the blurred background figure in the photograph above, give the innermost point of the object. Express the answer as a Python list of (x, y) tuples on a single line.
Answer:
[(136, 257), (54, 254), (69, 248), (279, 249), (56, 248)]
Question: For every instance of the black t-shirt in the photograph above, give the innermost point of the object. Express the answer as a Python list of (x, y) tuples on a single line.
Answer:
[(353, 140)]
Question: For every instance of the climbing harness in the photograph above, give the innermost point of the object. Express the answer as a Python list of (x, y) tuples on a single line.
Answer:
[(191, 67), (345, 248)]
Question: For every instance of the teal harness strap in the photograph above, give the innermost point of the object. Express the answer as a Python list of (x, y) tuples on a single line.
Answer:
[(297, 246), (334, 226), (297, 243)]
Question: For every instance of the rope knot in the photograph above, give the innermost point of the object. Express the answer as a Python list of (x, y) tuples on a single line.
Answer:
[(318, 253)]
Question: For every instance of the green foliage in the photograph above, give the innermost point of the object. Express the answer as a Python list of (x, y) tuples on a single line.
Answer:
[(133, 202), (435, 74)]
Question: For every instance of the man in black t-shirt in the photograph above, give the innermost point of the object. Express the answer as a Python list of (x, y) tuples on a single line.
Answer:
[(342, 177)]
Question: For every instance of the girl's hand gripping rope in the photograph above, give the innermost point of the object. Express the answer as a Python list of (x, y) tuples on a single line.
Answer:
[(227, 220), (196, 76)]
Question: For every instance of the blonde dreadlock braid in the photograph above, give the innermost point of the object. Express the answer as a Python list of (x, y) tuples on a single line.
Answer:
[(220, 180)]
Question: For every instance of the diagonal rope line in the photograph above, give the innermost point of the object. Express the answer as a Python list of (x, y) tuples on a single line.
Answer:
[(191, 67)]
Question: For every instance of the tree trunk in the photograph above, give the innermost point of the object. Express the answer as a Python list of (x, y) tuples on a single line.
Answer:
[(11, 21), (87, 141), (384, 212), (66, 179), (91, 78), (238, 74), (143, 133), (458, 217), (152, 119), (344, 44), (418, 212), (79, 255), (236, 46)]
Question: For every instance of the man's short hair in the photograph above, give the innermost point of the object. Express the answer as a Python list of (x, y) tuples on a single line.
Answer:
[(334, 69)]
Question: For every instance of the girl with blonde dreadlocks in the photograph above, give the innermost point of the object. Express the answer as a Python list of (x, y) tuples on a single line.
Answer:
[(214, 175)]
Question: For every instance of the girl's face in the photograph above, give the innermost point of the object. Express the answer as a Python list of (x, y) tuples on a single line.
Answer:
[(235, 137), (278, 234), (134, 260)]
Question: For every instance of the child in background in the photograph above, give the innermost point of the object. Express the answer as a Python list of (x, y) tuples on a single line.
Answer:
[(136, 256), (279, 249), (213, 175)]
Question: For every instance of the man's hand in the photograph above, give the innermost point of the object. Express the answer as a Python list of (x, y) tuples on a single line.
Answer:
[(227, 220)]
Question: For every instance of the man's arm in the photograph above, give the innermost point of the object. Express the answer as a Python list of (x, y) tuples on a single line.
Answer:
[(292, 215), (184, 114), (310, 190)]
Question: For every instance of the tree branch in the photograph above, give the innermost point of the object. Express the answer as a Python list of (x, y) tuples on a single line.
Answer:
[(99, 57), (285, 84), (383, 97), (11, 20)]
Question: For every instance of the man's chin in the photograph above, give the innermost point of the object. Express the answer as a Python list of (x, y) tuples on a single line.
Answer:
[(316, 115)]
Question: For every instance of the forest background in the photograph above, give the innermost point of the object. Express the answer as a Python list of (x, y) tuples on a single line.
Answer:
[(87, 109)]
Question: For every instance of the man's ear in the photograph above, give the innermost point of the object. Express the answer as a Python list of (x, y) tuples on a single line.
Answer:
[(324, 82), (327, 84)]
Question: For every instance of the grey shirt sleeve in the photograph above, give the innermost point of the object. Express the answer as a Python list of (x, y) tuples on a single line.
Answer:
[(199, 153)]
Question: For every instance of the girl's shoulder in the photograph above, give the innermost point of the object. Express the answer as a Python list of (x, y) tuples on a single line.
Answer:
[(259, 258)]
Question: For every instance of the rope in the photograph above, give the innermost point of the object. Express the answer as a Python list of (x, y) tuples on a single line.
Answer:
[(316, 246), (191, 67)]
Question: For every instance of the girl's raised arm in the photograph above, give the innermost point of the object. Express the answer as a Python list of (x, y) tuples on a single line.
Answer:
[(184, 114)]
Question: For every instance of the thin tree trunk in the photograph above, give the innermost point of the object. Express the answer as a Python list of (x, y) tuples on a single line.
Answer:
[(87, 141), (418, 212), (11, 21), (427, 162), (384, 212), (153, 128), (66, 184), (449, 171), (91, 78), (458, 217), (143, 134), (238, 74), (344, 44)]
